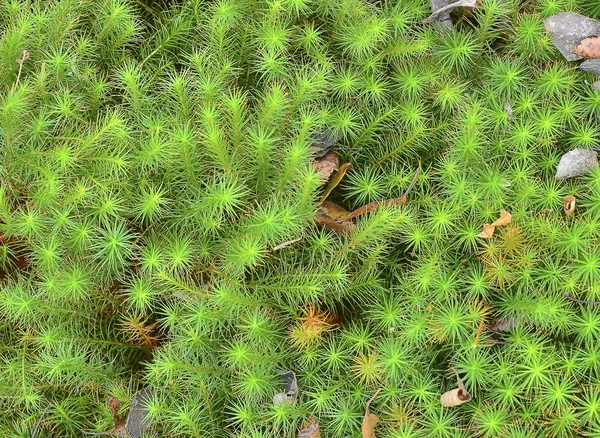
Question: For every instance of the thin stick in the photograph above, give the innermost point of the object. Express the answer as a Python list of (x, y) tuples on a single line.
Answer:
[(412, 183), (288, 243), (580, 301), (371, 400), (37, 426), (378, 204), (479, 330), (21, 61)]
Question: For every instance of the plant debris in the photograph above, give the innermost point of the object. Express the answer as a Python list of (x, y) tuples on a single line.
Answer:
[(591, 66), (327, 165), (443, 11), (333, 217), (137, 421), (291, 389), (567, 29), (444, 19), (370, 420), (488, 229), (310, 429), (569, 206), (577, 162), (457, 396)]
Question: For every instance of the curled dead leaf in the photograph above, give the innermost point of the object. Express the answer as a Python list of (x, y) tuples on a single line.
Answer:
[(588, 47), (488, 229), (368, 425), (336, 180), (569, 206), (310, 429), (455, 397)]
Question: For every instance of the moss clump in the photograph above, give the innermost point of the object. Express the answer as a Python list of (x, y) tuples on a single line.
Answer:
[(154, 155)]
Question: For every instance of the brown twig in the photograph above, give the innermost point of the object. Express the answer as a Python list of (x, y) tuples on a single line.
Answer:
[(21, 61), (378, 204), (371, 400)]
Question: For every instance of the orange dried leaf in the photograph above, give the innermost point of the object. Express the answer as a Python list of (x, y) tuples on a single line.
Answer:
[(370, 420), (505, 218), (588, 47), (488, 229), (368, 425), (569, 206)]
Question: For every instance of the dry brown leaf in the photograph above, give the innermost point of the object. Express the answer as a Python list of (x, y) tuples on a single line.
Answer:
[(588, 47), (488, 229), (333, 217), (333, 211), (368, 425), (310, 429), (505, 218), (569, 206), (401, 200), (370, 420), (376, 206), (327, 165)]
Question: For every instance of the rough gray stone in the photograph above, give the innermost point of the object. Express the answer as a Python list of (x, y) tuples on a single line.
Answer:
[(591, 66), (137, 423), (444, 19), (445, 10), (567, 29), (577, 162)]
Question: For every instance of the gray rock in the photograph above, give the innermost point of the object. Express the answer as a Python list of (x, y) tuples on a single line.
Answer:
[(577, 162), (595, 86), (282, 399), (567, 29), (591, 66), (445, 10), (444, 19), (137, 423)]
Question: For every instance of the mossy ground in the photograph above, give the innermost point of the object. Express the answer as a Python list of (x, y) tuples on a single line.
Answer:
[(155, 153)]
